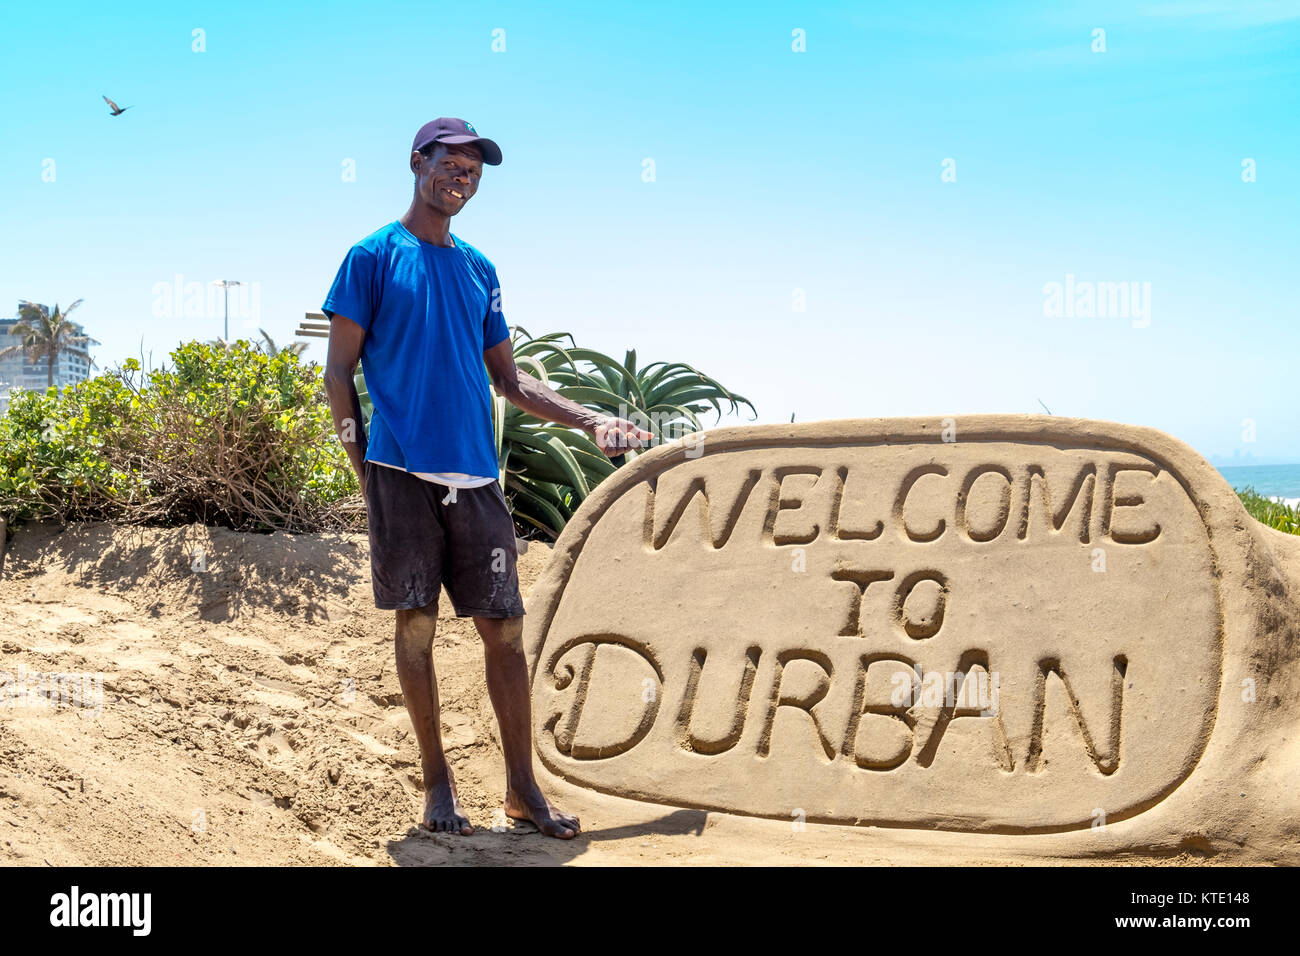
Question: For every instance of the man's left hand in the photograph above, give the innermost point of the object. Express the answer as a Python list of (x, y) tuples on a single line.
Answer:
[(615, 436)]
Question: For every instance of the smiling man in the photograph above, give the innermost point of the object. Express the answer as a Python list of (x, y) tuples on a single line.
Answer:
[(421, 309)]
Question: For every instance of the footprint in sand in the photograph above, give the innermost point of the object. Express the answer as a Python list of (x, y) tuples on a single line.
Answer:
[(275, 748)]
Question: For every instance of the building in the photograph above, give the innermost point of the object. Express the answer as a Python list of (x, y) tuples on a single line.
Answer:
[(16, 371)]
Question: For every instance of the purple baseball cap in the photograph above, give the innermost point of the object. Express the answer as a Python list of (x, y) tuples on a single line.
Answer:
[(452, 131)]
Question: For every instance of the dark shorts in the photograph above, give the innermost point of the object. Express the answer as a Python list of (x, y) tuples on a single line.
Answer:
[(419, 544)]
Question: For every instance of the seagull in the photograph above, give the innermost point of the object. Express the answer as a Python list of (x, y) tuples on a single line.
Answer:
[(117, 110)]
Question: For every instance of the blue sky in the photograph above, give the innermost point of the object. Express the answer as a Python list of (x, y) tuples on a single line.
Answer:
[(774, 171)]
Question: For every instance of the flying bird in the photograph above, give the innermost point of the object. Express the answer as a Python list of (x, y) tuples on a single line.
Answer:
[(117, 110)]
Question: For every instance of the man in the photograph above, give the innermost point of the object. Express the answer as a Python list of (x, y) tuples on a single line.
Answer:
[(421, 308)]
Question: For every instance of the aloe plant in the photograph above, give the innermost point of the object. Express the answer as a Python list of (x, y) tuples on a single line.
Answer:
[(547, 470)]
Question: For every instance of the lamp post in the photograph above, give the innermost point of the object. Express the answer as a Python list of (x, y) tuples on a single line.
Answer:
[(225, 285)]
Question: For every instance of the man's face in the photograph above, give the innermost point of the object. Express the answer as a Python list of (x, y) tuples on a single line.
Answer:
[(448, 177)]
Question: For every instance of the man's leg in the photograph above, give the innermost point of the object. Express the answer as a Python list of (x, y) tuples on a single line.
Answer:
[(414, 647), (507, 680)]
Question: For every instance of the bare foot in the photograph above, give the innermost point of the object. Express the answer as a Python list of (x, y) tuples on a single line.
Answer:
[(536, 809), (442, 812)]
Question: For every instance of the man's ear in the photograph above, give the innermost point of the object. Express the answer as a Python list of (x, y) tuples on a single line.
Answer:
[(417, 160)]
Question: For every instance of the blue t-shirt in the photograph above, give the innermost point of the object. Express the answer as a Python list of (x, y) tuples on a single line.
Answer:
[(429, 313)]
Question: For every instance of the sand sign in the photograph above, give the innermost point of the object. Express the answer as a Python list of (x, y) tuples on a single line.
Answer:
[(1016, 625)]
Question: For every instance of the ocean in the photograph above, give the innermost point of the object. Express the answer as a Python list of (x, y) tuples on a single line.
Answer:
[(1271, 481)]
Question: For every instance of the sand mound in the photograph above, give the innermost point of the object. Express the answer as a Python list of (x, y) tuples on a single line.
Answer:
[(249, 711)]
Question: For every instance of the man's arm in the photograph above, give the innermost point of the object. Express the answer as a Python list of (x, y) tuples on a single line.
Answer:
[(614, 436), (346, 338)]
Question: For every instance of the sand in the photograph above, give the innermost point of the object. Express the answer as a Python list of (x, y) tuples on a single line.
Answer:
[(249, 714)]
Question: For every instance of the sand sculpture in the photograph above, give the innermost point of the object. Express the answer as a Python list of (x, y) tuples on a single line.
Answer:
[(1010, 625)]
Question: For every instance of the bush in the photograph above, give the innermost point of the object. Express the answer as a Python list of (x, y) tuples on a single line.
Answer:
[(1272, 513), (53, 461), (234, 435), (229, 435)]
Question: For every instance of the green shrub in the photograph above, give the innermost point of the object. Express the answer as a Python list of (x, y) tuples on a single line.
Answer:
[(228, 435), (55, 455), (1272, 513)]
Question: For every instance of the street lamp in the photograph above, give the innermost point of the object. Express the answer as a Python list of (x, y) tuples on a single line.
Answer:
[(225, 285)]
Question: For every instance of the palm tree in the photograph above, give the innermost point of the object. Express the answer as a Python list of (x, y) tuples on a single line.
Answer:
[(46, 335), (267, 345), (296, 348)]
